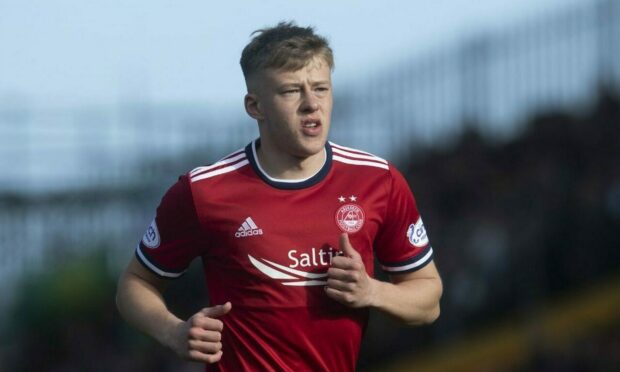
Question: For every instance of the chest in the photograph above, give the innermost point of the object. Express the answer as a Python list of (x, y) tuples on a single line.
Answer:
[(297, 229)]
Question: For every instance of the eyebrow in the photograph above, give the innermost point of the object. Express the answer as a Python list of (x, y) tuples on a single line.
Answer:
[(297, 84)]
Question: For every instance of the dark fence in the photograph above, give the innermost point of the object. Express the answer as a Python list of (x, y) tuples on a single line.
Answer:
[(492, 82)]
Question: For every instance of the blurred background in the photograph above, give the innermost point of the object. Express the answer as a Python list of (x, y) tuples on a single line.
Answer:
[(503, 116)]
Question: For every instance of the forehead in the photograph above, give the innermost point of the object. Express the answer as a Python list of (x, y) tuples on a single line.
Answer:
[(315, 69)]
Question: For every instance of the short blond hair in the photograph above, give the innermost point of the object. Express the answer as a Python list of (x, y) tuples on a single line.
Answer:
[(285, 46)]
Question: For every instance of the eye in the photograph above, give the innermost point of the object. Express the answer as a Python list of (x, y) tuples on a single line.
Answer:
[(290, 91)]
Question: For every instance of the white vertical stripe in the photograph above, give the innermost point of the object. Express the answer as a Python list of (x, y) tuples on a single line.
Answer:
[(246, 226)]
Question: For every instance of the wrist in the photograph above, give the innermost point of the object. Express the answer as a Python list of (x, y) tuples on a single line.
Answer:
[(169, 334), (374, 292)]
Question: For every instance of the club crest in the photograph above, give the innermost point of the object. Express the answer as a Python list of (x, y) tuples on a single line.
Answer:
[(350, 218)]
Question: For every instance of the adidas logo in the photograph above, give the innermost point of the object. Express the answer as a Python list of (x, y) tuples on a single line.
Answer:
[(248, 228)]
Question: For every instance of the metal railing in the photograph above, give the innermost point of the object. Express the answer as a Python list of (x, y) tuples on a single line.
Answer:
[(492, 81)]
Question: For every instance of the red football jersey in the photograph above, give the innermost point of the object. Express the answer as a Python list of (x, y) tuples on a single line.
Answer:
[(266, 245)]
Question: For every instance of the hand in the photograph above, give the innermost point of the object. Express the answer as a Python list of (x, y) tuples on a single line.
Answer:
[(347, 279), (199, 338)]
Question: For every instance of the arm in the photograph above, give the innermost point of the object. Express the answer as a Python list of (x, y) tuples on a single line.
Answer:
[(413, 298), (140, 301)]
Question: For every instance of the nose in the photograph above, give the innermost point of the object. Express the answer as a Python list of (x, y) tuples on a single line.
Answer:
[(310, 103)]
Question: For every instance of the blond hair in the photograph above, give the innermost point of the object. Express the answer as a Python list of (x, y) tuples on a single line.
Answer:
[(285, 46)]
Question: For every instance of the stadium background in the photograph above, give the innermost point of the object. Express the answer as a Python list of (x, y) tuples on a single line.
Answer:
[(510, 141)]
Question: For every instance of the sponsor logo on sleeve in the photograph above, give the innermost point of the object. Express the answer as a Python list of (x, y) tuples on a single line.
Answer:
[(417, 234), (151, 236)]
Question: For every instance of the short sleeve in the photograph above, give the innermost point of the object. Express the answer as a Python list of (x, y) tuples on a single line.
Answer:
[(402, 244), (172, 240)]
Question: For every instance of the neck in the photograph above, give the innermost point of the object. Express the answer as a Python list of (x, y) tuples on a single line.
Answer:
[(288, 167)]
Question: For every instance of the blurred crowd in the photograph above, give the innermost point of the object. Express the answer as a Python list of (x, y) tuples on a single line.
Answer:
[(513, 224), (517, 223)]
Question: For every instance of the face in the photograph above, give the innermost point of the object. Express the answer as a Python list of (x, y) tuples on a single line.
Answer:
[(293, 109)]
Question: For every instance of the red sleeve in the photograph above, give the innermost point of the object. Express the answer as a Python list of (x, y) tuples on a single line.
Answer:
[(402, 244), (171, 241)]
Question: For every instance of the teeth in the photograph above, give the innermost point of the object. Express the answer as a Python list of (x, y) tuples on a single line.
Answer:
[(310, 125)]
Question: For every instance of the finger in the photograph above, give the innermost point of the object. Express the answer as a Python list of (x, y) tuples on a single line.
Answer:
[(201, 334), (202, 323), (197, 356), (217, 311), (347, 248), (205, 347), (342, 274), (339, 285), (347, 263), (333, 293), (342, 297)]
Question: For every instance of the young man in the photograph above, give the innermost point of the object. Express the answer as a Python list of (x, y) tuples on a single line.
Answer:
[(286, 229)]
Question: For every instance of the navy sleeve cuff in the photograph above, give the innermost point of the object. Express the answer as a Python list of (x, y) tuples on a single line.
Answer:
[(413, 264)]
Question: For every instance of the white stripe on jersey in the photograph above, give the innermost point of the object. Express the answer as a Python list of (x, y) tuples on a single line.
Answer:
[(357, 151), (155, 268), (220, 162), (417, 263), (360, 162), (272, 273), (250, 221), (217, 172), (358, 156)]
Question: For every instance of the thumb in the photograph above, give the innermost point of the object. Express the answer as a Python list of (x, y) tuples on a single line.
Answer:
[(346, 247), (217, 311)]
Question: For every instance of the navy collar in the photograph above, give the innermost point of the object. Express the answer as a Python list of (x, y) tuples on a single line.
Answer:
[(250, 152)]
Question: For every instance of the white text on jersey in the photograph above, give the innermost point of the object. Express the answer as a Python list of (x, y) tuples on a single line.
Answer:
[(248, 228)]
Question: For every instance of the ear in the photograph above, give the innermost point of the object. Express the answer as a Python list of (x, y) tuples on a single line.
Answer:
[(252, 106)]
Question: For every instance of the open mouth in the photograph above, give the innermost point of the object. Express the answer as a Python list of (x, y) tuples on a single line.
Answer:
[(311, 123)]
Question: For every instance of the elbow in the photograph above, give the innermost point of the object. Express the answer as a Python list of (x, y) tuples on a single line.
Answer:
[(429, 313), (118, 301), (120, 298), (427, 317), (433, 315)]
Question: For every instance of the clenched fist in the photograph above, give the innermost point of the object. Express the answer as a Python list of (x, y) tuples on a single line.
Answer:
[(199, 338), (347, 279)]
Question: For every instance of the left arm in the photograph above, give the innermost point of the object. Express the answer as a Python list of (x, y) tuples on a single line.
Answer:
[(412, 298)]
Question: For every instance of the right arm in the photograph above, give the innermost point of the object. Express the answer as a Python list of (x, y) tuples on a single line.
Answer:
[(140, 301)]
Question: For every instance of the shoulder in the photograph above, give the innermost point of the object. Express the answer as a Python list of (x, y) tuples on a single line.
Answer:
[(358, 159), (368, 166), (229, 163)]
